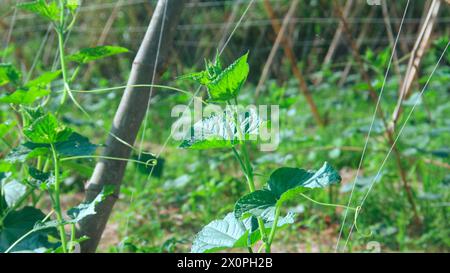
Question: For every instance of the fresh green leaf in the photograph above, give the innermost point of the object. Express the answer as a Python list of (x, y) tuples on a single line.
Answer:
[(47, 130), (220, 234), (227, 84), (284, 184), (284, 180), (26, 151), (255, 203), (9, 74), (40, 179), (220, 130), (231, 232), (75, 145), (25, 96), (17, 223), (43, 80), (91, 54), (223, 85), (48, 11), (83, 210)]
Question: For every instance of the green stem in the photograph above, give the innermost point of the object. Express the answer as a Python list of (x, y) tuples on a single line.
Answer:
[(247, 169), (72, 237), (274, 228), (57, 201), (62, 58)]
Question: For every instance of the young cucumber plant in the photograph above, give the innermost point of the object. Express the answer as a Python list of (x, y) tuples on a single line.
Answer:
[(34, 167), (258, 215)]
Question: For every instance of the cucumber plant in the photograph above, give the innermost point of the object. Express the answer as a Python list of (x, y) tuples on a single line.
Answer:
[(257, 215), (32, 171)]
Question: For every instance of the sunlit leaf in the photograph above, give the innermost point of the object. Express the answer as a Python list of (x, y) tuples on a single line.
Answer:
[(227, 84), (83, 210), (49, 11), (231, 232), (44, 79), (25, 96), (47, 130), (91, 54), (220, 130), (223, 85)]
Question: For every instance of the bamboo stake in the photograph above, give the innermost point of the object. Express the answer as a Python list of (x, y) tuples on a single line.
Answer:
[(416, 57), (128, 119)]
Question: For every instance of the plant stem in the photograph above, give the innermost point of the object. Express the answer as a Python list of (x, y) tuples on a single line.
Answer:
[(274, 228), (62, 58), (57, 203), (247, 169)]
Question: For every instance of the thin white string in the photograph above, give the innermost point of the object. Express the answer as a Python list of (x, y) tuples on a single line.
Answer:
[(155, 66), (370, 129), (398, 136)]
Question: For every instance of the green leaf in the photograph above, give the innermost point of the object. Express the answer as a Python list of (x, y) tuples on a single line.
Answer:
[(47, 130), (91, 54), (44, 79), (75, 145), (231, 232), (285, 182), (255, 203), (48, 11), (9, 74), (219, 234), (17, 223), (40, 179), (220, 130), (227, 84), (25, 96), (72, 5), (83, 210), (26, 151)]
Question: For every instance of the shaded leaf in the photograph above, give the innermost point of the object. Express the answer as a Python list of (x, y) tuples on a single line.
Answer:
[(9, 74), (26, 151), (17, 223), (40, 179), (255, 203), (284, 184)]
